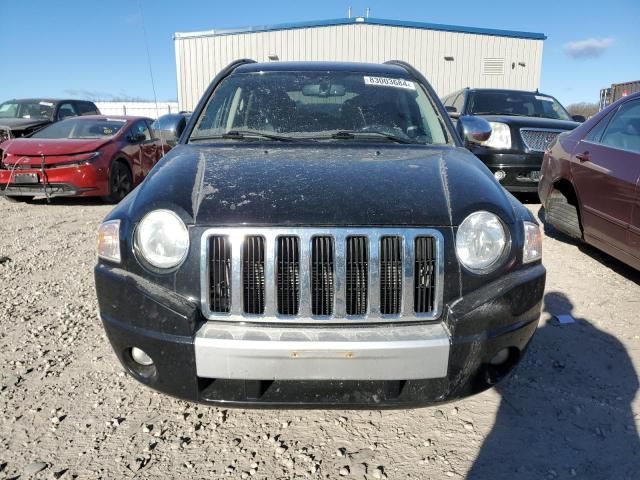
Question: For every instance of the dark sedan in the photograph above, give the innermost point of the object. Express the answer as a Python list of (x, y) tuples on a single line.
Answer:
[(523, 124), (590, 184), (21, 118)]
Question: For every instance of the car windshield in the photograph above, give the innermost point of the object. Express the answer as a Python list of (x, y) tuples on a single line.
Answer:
[(517, 103), (27, 109), (82, 128), (335, 106)]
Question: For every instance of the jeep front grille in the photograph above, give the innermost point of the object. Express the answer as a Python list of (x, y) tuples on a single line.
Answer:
[(538, 139), (324, 275)]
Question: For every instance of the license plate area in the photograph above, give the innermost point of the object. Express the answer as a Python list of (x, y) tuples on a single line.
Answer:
[(25, 178)]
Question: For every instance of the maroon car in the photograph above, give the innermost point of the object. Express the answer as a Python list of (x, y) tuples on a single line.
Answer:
[(590, 183), (91, 156)]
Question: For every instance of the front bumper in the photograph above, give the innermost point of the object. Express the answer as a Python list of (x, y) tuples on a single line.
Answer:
[(287, 366), (519, 168), (82, 180)]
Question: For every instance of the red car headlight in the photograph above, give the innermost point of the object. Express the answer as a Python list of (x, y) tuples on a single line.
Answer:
[(78, 160)]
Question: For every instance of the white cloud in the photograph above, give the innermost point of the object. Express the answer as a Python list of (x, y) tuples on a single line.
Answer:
[(589, 48)]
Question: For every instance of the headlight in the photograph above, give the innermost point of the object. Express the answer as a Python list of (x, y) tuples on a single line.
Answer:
[(481, 241), (500, 136), (162, 239), (109, 241), (532, 250)]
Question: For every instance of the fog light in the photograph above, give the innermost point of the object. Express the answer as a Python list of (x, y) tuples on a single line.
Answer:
[(499, 175), (139, 356), (500, 357)]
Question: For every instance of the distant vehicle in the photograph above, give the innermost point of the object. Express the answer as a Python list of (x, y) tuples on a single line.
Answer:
[(83, 156), (617, 91), (590, 178), (169, 127), (523, 125), (20, 118)]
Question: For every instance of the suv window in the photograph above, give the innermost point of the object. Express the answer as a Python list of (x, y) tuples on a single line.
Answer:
[(86, 108), (595, 134), (458, 103), (316, 105), (66, 110), (624, 129)]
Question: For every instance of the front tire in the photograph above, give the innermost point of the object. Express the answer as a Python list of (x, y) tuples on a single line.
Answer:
[(563, 215), (120, 182)]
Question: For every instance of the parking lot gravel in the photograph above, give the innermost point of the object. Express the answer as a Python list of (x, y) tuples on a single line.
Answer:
[(570, 410)]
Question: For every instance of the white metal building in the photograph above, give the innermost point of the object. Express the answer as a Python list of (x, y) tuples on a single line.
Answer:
[(143, 109), (451, 57)]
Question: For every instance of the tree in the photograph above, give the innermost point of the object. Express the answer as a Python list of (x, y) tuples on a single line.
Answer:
[(585, 109)]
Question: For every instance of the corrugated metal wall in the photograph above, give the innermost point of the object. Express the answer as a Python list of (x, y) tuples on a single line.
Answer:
[(200, 58)]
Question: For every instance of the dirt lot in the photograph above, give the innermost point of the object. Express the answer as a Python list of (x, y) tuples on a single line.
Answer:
[(68, 411)]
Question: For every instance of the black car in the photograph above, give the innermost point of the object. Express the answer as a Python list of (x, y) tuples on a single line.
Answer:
[(320, 237), (21, 118), (523, 125)]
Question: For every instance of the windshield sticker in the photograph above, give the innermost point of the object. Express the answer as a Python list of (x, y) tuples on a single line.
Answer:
[(46, 104), (121, 120), (389, 82), (544, 99)]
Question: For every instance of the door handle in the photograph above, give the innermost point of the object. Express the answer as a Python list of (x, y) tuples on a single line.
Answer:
[(584, 157)]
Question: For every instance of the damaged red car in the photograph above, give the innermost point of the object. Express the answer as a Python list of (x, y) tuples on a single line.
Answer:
[(91, 156)]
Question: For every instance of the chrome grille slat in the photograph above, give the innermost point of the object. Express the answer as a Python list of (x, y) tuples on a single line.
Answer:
[(357, 275), (424, 274), (220, 273), (391, 257), (253, 274), (538, 139), (287, 263), (322, 276), (259, 291)]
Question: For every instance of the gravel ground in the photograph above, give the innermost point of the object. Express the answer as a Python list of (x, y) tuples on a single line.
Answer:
[(68, 410)]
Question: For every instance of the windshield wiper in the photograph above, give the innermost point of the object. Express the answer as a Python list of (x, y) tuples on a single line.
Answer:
[(248, 134), (505, 114), (350, 135)]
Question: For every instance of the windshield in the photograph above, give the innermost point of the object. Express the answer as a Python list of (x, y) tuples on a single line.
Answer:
[(336, 106), (30, 109), (517, 103), (82, 128)]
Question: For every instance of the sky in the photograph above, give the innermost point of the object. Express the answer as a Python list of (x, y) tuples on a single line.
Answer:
[(98, 50)]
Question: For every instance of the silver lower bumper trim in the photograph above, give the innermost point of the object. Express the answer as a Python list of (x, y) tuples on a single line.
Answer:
[(333, 353)]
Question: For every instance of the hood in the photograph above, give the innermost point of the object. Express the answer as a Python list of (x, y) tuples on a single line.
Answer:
[(533, 122), (298, 185), (17, 124), (34, 147)]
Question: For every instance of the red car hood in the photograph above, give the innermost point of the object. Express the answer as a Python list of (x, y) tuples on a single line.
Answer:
[(34, 147)]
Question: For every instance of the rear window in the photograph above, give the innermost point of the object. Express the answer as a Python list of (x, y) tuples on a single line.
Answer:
[(317, 104), (81, 128)]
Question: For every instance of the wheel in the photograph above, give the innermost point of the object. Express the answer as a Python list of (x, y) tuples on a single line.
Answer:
[(120, 182), (21, 199), (563, 215)]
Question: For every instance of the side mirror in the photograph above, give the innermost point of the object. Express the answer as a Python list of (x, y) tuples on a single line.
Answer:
[(452, 111), (474, 129), (579, 118)]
